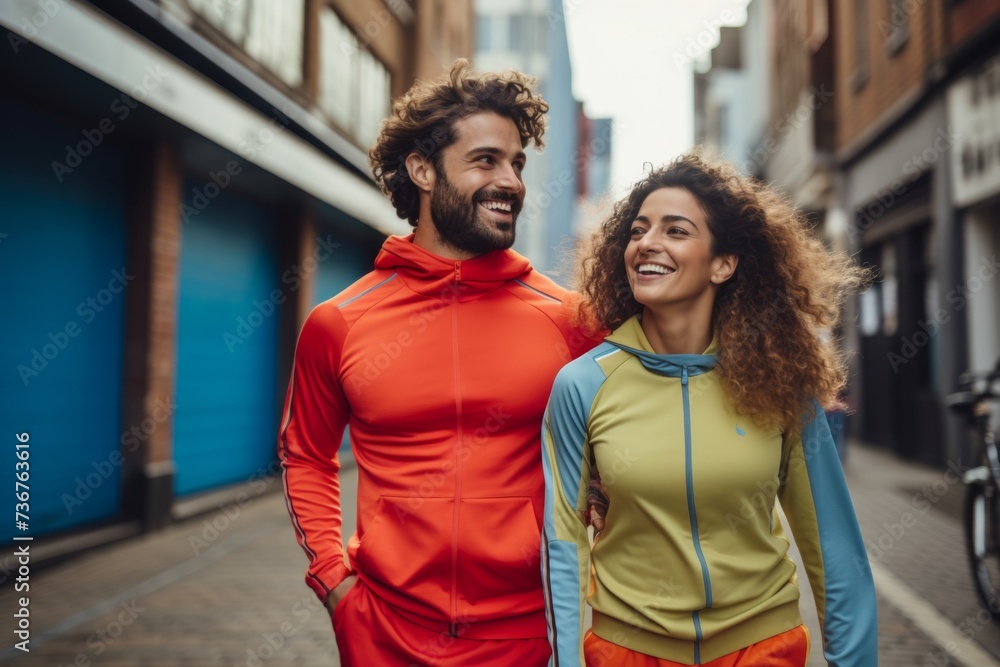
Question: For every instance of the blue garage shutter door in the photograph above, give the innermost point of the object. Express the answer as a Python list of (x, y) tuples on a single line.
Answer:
[(62, 267), (337, 269), (227, 337)]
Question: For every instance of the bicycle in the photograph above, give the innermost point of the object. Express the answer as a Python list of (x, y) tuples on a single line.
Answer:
[(982, 503)]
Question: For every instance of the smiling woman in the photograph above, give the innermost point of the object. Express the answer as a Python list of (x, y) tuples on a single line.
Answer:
[(671, 268), (709, 391), (773, 285)]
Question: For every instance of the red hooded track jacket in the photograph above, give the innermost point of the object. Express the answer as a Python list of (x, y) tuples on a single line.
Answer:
[(442, 369)]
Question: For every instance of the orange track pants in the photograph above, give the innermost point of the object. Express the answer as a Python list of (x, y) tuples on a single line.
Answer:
[(789, 649)]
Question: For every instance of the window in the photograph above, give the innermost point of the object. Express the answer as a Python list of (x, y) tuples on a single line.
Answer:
[(722, 122), (437, 39), (890, 291), (515, 33), (270, 31), (374, 98), (338, 52), (484, 25), (860, 75), (354, 86), (870, 319), (527, 33), (542, 29), (896, 31), (817, 24)]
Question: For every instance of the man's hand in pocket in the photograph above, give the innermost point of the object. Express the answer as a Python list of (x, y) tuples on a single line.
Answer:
[(338, 593)]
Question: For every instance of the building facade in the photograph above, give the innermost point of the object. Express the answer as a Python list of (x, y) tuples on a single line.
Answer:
[(181, 182), (899, 142), (882, 127)]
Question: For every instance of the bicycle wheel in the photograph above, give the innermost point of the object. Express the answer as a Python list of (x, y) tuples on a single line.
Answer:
[(982, 535)]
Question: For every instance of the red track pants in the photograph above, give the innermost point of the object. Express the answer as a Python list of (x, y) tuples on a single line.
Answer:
[(370, 634)]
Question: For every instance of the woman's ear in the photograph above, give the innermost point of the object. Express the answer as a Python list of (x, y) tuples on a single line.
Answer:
[(723, 267), (421, 171)]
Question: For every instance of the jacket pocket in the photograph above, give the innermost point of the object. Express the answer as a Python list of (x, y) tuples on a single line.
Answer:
[(405, 552), (498, 562)]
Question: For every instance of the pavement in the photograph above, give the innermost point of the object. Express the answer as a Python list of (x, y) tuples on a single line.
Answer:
[(226, 587)]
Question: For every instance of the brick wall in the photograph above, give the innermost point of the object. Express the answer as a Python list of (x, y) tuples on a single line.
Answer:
[(893, 72), (153, 253), (165, 245), (154, 237)]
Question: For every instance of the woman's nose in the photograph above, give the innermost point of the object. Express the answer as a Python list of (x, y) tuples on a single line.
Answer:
[(648, 243)]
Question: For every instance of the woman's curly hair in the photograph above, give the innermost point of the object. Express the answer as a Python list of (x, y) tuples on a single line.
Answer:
[(770, 317), (423, 121)]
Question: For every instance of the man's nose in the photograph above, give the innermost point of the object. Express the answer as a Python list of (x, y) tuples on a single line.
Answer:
[(508, 179)]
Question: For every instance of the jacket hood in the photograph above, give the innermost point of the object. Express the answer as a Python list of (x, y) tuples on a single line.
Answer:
[(631, 338), (433, 275)]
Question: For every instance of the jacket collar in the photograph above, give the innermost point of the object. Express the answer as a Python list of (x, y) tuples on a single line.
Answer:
[(631, 338), (432, 275)]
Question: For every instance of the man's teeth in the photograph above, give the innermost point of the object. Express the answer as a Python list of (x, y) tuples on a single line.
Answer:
[(654, 268), (497, 205)]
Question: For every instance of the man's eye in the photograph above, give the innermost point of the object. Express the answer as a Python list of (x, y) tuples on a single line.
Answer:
[(488, 159)]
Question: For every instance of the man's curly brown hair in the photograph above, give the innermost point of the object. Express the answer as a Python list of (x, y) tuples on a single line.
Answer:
[(423, 121), (768, 318)]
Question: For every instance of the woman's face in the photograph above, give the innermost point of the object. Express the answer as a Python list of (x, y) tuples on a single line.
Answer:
[(668, 259)]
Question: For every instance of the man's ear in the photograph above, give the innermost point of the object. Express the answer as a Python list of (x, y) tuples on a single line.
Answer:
[(421, 171), (723, 268)]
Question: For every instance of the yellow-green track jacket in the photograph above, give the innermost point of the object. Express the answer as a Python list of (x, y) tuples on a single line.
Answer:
[(693, 563)]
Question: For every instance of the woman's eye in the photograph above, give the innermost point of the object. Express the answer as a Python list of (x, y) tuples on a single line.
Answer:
[(637, 231), (677, 230)]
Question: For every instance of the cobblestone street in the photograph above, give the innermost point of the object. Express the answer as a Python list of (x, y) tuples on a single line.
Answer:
[(226, 588)]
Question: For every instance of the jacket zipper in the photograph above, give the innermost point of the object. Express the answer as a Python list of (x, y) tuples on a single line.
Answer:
[(459, 437), (689, 466)]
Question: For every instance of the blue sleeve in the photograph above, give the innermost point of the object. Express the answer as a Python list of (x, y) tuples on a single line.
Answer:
[(816, 500), (565, 542)]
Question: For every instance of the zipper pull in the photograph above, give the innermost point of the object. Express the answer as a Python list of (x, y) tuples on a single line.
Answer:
[(684, 375), (458, 272)]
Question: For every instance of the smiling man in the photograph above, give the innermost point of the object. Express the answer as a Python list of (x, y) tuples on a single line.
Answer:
[(441, 361)]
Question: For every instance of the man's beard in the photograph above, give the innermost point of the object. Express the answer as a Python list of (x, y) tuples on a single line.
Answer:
[(461, 224)]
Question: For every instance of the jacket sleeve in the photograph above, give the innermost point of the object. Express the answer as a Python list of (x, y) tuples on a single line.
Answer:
[(315, 415), (565, 542), (816, 500)]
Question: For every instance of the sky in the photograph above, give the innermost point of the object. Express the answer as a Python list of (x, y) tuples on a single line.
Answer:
[(633, 60)]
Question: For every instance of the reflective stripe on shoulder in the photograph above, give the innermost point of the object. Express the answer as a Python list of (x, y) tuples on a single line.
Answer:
[(370, 289), (538, 291)]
